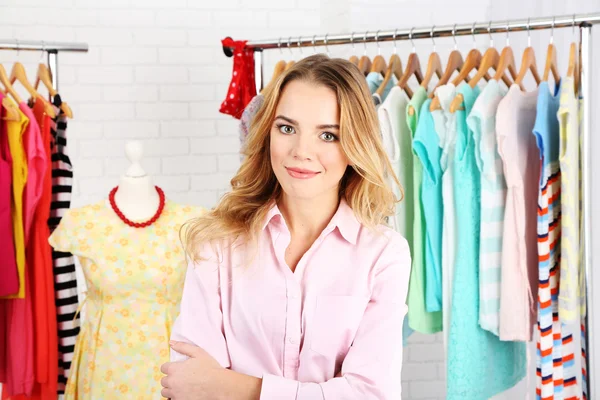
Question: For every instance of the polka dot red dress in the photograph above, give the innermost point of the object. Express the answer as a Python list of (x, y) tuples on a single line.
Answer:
[(242, 87)]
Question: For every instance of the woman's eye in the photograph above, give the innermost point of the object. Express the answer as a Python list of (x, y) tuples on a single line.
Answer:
[(328, 137), (286, 129)]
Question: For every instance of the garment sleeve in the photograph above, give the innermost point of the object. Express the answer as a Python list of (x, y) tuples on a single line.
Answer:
[(64, 236), (372, 367), (200, 321)]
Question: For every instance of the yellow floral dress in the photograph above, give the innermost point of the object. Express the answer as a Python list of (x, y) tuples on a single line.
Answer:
[(134, 280)]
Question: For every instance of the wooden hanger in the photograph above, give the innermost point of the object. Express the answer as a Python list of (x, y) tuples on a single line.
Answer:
[(573, 68), (528, 62), (413, 67), (43, 75), (455, 63), (491, 59), (551, 60), (364, 64), (18, 74), (434, 64), (353, 58), (379, 64), (12, 110), (507, 62), (394, 68), (473, 61), (8, 86)]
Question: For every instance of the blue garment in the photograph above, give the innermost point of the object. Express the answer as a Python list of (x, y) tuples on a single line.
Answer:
[(375, 79), (479, 364), (426, 144)]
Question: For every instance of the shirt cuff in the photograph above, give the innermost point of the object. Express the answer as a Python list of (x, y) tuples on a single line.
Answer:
[(277, 387)]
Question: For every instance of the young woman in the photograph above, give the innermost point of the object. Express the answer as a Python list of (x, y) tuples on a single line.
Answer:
[(297, 289)]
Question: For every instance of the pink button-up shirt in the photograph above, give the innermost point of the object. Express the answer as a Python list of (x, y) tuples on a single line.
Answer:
[(330, 330)]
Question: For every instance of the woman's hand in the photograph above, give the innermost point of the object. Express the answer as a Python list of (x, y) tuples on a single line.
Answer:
[(199, 378)]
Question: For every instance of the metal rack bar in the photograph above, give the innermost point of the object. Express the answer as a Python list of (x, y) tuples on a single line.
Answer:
[(29, 45), (51, 49), (425, 32)]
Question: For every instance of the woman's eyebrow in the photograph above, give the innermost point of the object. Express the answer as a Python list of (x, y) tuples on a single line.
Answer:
[(294, 122)]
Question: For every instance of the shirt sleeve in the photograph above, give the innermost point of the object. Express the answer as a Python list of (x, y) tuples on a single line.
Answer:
[(63, 237), (372, 368), (200, 321)]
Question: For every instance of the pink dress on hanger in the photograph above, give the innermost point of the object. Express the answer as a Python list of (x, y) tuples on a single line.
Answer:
[(9, 284), (36, 164)]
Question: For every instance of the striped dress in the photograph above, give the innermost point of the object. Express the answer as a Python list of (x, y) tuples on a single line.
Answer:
[(555, 363), (482, 121), (65, 280)]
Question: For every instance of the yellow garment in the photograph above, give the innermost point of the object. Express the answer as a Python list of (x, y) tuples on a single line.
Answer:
[(15, 130), (134, 280)]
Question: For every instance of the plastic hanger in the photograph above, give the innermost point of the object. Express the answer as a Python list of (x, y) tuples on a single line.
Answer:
[(379, 64), (551, 61), (455, 63), (434, 64), (353, 58), (394, 68), (528, 62), (18, 74), (507, 61), (364, 64), (413, 67)]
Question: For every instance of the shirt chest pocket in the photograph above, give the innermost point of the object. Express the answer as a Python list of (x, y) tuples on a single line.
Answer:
[(335, 322)]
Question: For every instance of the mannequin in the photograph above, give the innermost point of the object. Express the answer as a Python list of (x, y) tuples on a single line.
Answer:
[(136, 197), (134, 266)]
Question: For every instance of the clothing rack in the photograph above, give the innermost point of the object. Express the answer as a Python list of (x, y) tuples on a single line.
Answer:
[(584, 23), (51, 49)]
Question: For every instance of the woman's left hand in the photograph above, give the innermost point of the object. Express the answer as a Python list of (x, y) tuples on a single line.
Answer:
[(196, 378)]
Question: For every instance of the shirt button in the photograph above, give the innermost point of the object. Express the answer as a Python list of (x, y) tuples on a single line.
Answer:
[(292, 340)]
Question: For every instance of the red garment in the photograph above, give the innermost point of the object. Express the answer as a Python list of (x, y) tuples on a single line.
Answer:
[(242, 87), (39, 257), (9, 282)]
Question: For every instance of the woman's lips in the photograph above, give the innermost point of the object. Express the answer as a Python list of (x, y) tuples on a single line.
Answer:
[(300, 173)]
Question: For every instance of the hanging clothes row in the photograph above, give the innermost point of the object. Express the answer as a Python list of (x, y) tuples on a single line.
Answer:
[(491, 176), (38, 289)]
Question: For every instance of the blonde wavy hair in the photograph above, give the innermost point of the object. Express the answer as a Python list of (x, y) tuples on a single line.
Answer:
[(241, 212)]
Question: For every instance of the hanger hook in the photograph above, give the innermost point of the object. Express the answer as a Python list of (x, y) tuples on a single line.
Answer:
[(299, 41), (394, 38), (507, 30), (377, 41), (552, 30), (454, 37), (473, 34), (352, 41), (327, 48), (43, 52), (290, 45), (431, 34), (528, 33), (279, 45), (410, 37), (365, 42), (490, 34), (573, 26), (313, 44)]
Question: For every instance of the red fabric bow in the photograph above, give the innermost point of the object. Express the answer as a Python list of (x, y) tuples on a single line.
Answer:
[(242, 87)]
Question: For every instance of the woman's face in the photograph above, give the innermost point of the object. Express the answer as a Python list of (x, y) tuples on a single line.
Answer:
[(306, 154)]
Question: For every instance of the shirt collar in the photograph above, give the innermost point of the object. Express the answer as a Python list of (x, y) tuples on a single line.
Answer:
[(344, 220)]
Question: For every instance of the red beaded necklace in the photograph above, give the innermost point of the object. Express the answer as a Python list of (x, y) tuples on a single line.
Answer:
[(161, 206)]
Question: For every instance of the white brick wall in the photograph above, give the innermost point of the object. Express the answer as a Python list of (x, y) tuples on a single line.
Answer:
[(155, 71)]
